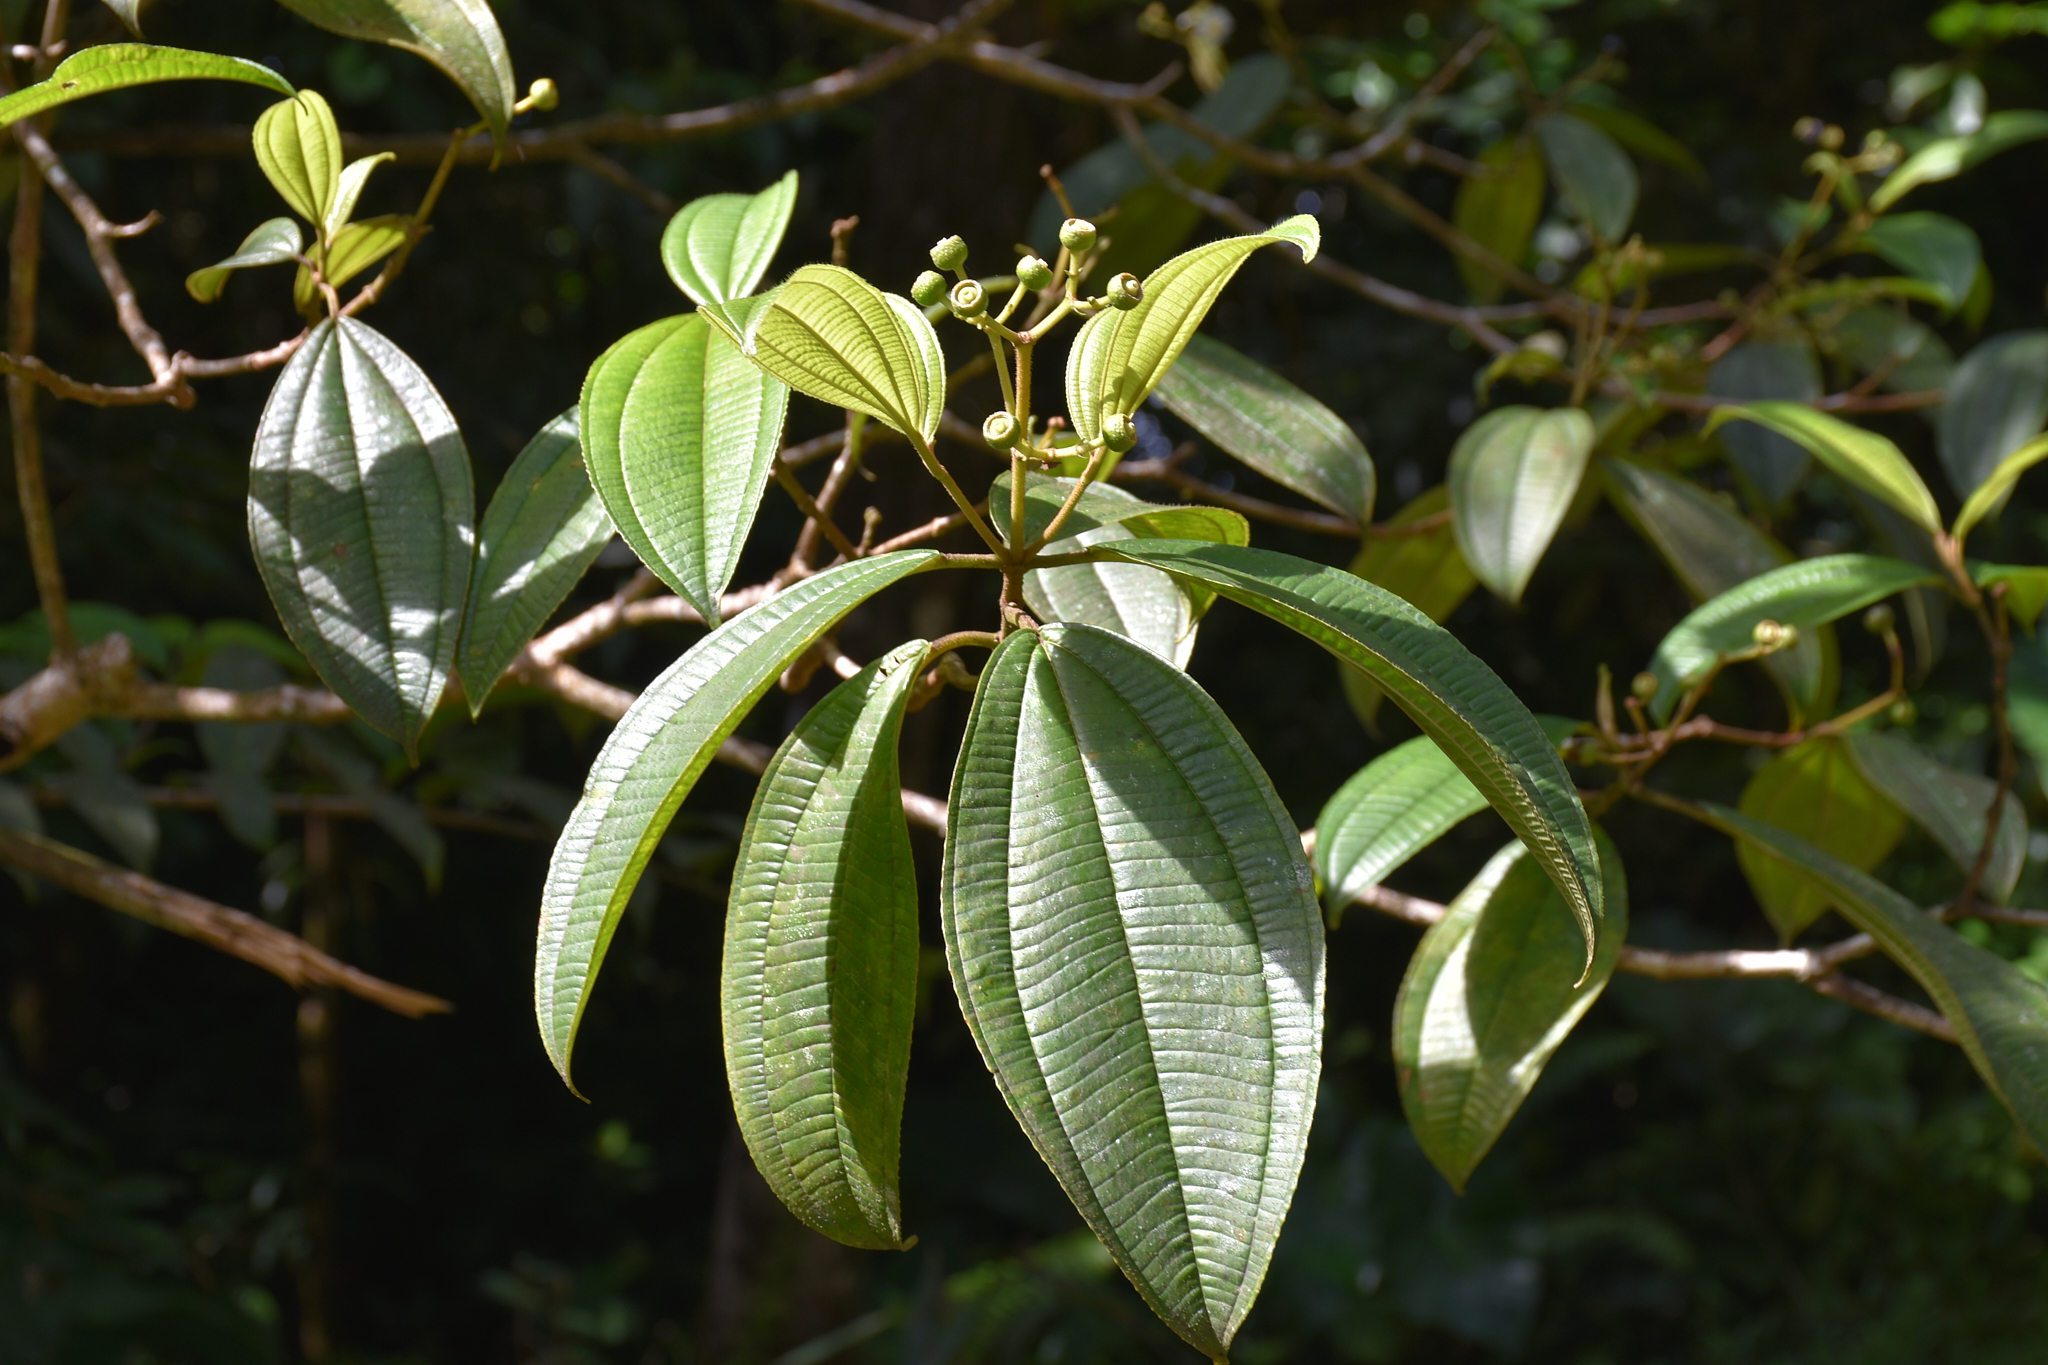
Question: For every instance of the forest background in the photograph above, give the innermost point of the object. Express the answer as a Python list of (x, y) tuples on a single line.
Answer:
[(1708, 1171)]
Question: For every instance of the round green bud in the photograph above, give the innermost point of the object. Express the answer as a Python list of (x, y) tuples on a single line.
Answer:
[(1878, 620), (968, 299), (949, 254), (1033, 273), (1119, 432), (1903, 711), (542, 94), (1125, 292), (1077, 235), (1644, 686), (1001, 430), (928, 289)]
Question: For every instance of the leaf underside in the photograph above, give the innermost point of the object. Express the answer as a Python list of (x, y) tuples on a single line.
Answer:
[(717, 248), (116, 66)]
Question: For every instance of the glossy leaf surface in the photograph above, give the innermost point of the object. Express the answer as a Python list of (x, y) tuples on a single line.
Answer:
[(116, 66), (1818, 792), (1593, 174), (827, 332), (1992, 493), (653, 758), (1512, 478), (1997, 400), (1134, 939), (2000, 1017), (1949, 804), (543, 529), (1119, 357), (1802, 594), (1493, 989), (1423, 568), (1755, 370), (459, 36), (680, 434), (298, 145), (819, 984), (1499, 211), (1272, 426), (1457, 701), (276, 242), (1855, 456), (362, 515), (718, 247), (1932, 247)]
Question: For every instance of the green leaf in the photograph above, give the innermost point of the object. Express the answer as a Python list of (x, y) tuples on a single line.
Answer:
[(2026, 588), (348, 190), (1493, 989), (110, 802), (1512, 477), (653, 759), (361, 514), (1855, 456), (1787, 370), (298, 145), (1997, 400), (1422, 568), (1133, 936), (1947, 157), (2000, 1017), (1456, 700), (1499, 211), (680, 434), (539, 536), (276, 242), (116, 66), (1100, 504), (1712, 548), (1819, 792), (239, 754), (355, 249), (718, 247), (1593, 175), (1642, 137), (1949, 804), (1119, 357), (1803, 594), (819, 984), (1991, 494), (1931, 247), (829, 333), (1393, 808), (1272, 426), (397, 816), (459, 36), (1877, 337)]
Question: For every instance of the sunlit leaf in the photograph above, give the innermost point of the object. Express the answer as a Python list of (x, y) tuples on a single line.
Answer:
[(1931, 247), (1855, 456), (1991, 494), (1422, 568), (353, 250), (116, 66), (459, 36), (1512, 477), (1947, 157), (348, 190), (362, 516), (819, 984), (1499, 211), (298, 145), (1766, 369), (1997, 400), (718, 247), (276, 242), (1272, 426), (2025, 587), (1120, 356), (1593, 175), (1493, 989), (1134, 939), (1818, 792), (1949, 804), (539, 536), (653, 759)]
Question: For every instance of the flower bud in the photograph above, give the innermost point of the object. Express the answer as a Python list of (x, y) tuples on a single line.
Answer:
[(1077, 235), (1903, 711), (1770, 635), (1033, 273), (1808, 129), (1001, 430), (967, 299), (1119, 432), (1878, 620), (1831, 138), (542, 94), (1125, 292), (928, 289), (1644, 686), (950, 254)]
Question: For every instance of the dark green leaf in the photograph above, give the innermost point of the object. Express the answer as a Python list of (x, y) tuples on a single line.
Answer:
[(1931, 247), (1493, 989), (1272, 426), (276, 242), (361, 514), (1512, 477), (1593, 175), (542, 530), (116, 66), (1949, 804), (1883, 337), (1855, 456), (1134, 939), (459, 36), (1642, 137), (1499, 211), (1766, 369), (109, 801), (718, 247), (1802, 594), (680, 433), (1456, 700), (1997, 400), (653, 759), (2000, 1017), (820, 978), (238, 755), (396, 815), (1818, 792), (1422, 568)]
